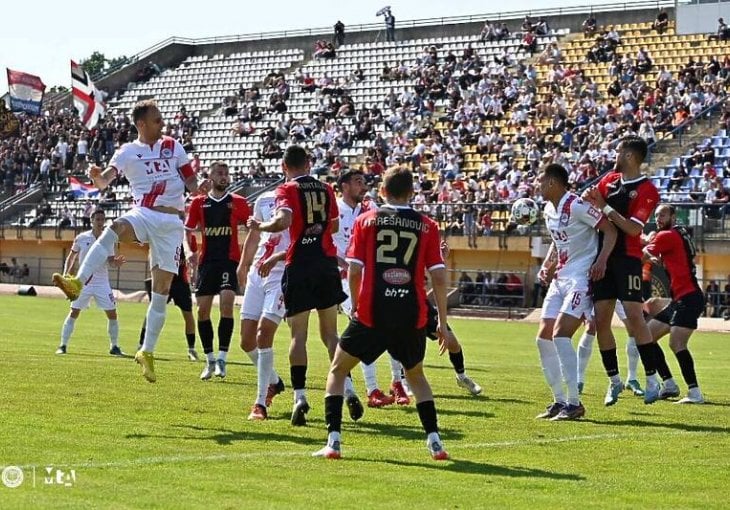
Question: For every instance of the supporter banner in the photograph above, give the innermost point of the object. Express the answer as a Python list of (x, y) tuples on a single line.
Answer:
[(81, 190), (9, 123), (26, 92), (87, 99)]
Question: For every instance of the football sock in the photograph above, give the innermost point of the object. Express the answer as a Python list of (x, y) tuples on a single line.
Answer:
[(223, 355), (333, 412), (551, 367), (155, 321), (687, 366), (585, 349), (661, 363), (568, 367), (370, 375), (610, 363), (190, 338), (298, 374), (112, 328), (395, 369), (67, 329), (427, 414), (225, 331), (98, 254), (646, 353), (457, 361), (349, 386), (632, 355), (253, 356), (263, 374), (205, 331)]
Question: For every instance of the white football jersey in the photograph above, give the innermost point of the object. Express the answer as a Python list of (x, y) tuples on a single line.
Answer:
[(153, 172), (573, 230), (81, 245), (348, 215), (269, 243)]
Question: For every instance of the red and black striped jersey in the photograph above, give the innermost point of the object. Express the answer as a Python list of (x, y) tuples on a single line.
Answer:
[(218, 220)]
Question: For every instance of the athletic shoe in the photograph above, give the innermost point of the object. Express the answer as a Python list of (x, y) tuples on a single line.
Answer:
[(220, 368), (379, 399), (635, 387), (258, 412), (401, 397), (551, 411), (694, 396), (147, 360), (614, 390), (69, 285), (208, 371), (436, 449), (651, 394), (354, 406), (570, 412), (469, 385), (669, 391), (299, 413), (581, 385), (61, 349), (116, 351), (330, 451), (192, 355), (274, 390)]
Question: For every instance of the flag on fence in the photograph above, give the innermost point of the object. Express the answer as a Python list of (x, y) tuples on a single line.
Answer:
[(26, 92), (81, 190), (87, 99)]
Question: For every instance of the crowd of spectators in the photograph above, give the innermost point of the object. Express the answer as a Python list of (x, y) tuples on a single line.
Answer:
[(487, 289)]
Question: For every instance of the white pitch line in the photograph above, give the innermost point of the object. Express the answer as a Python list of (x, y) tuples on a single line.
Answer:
[(182, 459)]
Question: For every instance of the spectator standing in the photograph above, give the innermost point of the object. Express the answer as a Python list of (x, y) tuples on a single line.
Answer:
[(339, 39), (389, 26)]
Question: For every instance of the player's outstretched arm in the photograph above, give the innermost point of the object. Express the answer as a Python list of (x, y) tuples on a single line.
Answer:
[(281, 221), (628, 226), (68, 265), (197, 187), (440, 291), (610, 234), (102, 178)]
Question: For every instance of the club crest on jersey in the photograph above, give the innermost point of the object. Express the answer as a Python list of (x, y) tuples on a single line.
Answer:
[(564, 218), (397, 276), (633, 194), (166, 153)]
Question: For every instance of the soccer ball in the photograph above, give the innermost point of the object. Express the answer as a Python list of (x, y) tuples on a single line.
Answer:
[(525, 211)]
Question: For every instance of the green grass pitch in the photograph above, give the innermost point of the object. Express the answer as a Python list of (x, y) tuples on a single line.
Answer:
[(184, 443)]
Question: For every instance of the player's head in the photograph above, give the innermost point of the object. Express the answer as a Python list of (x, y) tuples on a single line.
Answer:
[(352, 185), (295, 162), (398, 185), (218, 174), (665, 216), (553, 180), (631, 153), (98, 218), (148, 120)]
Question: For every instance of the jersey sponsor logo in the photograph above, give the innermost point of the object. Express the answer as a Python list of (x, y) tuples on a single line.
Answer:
[(397, 276), (314, 230), (217, 231), (396, 293)]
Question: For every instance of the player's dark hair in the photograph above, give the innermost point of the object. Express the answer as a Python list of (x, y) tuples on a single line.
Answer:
[(98, 211), (557, 172), (635, 144), (295, 157), (398, 182), (346, 176), (216, 164), (141, 108)]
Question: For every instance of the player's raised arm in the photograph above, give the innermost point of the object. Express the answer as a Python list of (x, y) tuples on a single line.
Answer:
[(102, 178)]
